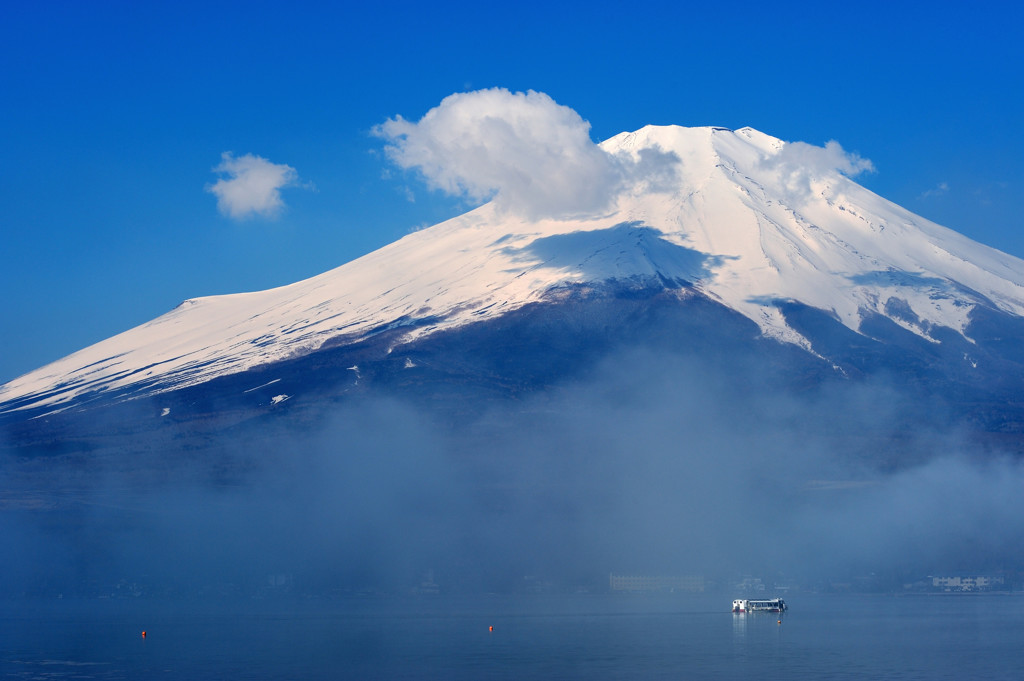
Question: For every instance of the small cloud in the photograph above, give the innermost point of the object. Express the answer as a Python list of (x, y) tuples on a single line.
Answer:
[(798, 164), (252, 185), (992, 193), (941, 189), (532, 156)]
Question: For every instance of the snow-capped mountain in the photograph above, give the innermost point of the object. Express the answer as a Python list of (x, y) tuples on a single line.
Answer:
[(743, 220)]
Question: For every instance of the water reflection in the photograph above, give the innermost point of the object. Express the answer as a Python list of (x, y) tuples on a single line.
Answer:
[(739, 625), (757, 627)]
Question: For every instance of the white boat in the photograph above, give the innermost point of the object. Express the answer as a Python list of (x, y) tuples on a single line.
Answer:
[(759, 605)]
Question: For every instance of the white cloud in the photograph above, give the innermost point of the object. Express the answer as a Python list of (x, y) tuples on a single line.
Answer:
[(252, 186), (533, 156), (939, 190), (798, 164)]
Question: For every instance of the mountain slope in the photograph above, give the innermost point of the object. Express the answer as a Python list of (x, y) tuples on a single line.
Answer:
[(745, 220)]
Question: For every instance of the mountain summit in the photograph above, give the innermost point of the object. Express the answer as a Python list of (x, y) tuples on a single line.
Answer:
[(773, 232)]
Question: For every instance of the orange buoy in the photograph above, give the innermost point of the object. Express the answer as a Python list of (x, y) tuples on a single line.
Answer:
[(143, 634), (490, 628)]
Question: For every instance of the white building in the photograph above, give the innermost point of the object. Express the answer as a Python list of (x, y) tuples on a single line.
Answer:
[(962, 583)]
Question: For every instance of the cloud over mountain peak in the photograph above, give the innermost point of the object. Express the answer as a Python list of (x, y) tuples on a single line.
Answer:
[(532, 156)]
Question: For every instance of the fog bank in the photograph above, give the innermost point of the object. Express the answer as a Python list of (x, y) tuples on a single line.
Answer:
[(652, 464)]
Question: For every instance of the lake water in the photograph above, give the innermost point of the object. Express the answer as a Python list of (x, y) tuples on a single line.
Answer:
[(597, 637)]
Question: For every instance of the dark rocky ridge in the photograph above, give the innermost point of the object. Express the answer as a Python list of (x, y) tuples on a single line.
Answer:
[(457, 375)]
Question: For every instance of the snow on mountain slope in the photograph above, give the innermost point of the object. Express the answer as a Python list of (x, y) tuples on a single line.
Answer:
[(748, 220)]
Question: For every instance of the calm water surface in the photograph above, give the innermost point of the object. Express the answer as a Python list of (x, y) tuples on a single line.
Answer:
[(542, 637)]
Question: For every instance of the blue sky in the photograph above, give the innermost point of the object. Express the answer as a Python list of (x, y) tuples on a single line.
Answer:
[(114, 116)]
